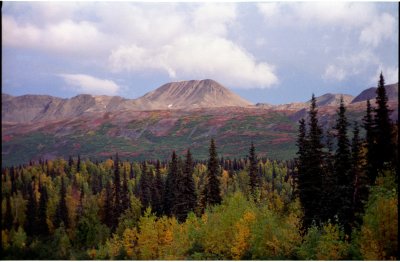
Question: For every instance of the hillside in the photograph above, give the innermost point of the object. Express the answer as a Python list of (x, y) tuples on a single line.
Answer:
[(191, 94), (98, 126)]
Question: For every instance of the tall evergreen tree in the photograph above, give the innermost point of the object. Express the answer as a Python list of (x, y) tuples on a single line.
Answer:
[(368, 124), (8, 217), (170, 185), (145, 187), (383, 126), (310, 178), (117, 189), (109, 207), (31, 212), (360, 193), (62, 210), (43, 228), (212, 192), (301, 151), (254, 178), (158, 192), (342, 172), (187, 195), (125, 200)]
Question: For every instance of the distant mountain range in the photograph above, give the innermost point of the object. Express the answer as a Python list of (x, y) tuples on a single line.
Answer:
[(176, 95), (175, 116)]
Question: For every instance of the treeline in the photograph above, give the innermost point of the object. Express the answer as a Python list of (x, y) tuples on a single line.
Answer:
[(337, 200), (334, 177)]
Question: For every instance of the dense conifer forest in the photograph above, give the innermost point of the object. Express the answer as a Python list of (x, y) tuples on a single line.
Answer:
[(337, 200)]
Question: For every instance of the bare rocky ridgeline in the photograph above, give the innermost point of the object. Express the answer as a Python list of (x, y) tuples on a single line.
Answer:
[(183, 95)]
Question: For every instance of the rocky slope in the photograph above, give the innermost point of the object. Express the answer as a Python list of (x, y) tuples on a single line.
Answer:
[(192, 94), (392, 92)]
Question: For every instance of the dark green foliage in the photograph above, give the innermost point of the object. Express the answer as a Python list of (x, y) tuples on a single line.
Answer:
[(78, 164), (125, 194), (8, 217), (109, 207), (311, 172), (145, 187), (186, 195), (43, 228), (117, 190), (254, 178), (158, 192), (344, 189), (383, 127), (212, 194), (368, 124), (31, 212), (62, 210), (360, 194), (170, 185)]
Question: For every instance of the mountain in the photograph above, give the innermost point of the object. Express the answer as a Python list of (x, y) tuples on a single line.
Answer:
[(392, 92), (175, 116), (191, 94), (36, 108), (177, 95), (332, 99)]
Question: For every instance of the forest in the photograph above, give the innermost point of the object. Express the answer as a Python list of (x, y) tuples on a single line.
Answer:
[(338, 199)]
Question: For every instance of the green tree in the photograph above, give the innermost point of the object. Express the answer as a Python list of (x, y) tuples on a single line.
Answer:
[(212, 192), (171, 185), (31, 212), (43, 228), (311, 173), (62, 210), (187, 199), (344, 189), (383, 126), (158, 192), (8, 217), (254, 179), (368, 124), (145, 186)]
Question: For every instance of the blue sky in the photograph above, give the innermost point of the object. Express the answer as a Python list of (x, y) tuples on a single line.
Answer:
[(272, 52)]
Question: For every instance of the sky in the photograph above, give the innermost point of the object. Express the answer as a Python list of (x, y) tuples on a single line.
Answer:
[(268, 52)]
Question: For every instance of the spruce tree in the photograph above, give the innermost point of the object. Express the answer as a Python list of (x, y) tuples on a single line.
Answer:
[(117, 189), (383, 126), (310, 178), (301, 152), (31, 212), (78, 164), (8, 217), (254, 179), (43, 228), (158, 193), (368, 124), (171, 185), (186, 201), (360, 194), (212, 192), (145, 187), (125, 201), (62, 210), (344, 189), (109, 207)]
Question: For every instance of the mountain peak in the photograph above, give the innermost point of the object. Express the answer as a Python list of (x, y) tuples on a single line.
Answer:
[(192, 94)]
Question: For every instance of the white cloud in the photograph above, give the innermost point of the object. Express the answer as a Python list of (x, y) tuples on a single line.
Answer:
[(334, 72), (364, 18), (380, 29), (198, 57), (88, 84), (66, 37), (186, 42), (391, 74), (349, 65)]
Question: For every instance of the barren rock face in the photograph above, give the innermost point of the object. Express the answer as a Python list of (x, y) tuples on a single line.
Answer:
[(392, 91), (192, 94)]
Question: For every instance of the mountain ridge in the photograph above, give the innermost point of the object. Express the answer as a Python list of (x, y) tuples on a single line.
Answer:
[(182, 95)]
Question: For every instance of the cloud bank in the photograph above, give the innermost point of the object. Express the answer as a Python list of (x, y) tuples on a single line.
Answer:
[(90, 85), (184, 43)]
